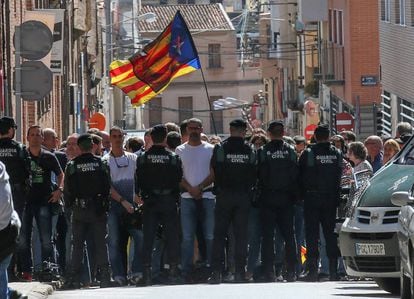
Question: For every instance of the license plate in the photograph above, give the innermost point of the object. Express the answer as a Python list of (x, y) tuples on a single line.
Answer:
[(370, 249)]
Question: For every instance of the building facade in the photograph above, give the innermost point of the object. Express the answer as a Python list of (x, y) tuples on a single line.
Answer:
[(189, 96), (350, 63), (396, 28)]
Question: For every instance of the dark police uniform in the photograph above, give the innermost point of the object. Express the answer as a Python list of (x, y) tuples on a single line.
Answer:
[(87, 187), (157, 179), (278, 180), (17, 160), (234, 163), (321, 170)]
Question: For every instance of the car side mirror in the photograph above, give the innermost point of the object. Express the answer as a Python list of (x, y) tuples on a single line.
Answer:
[(401, 198)]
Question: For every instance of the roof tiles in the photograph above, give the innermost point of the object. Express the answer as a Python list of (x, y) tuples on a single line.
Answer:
[(199, 17)]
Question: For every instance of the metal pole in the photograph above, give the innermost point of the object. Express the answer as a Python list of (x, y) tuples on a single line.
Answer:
[(82, 99), (18, 68)]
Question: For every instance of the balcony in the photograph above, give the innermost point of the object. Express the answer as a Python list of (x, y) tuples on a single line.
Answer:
[(331, 70)]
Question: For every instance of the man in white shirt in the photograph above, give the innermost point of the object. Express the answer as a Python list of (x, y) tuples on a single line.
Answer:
[(122, 167), (197, 202)]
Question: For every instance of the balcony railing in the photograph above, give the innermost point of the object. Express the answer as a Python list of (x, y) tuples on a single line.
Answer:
[(331, 69)]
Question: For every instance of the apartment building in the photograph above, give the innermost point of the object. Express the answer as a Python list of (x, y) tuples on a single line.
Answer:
[(350, 68), (396, 31)]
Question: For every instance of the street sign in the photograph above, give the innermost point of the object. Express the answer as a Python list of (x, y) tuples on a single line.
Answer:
[(36, 80), (369, 80), (309, 130), (344, 122), (98, 121), (36, 40)]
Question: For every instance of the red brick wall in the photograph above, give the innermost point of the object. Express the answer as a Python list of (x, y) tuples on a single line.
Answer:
[(361, 49)]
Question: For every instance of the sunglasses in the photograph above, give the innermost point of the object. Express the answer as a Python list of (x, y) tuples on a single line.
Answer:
[(121, 162)]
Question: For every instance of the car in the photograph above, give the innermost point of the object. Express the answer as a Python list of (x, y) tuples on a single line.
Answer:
[(405, 200), (368, 237)]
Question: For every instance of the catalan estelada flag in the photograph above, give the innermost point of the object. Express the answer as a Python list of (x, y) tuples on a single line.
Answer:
[(144, 75)]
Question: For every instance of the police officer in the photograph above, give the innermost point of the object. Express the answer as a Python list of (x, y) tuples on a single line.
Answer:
[(278, 180), (16, 158), (321, 170), (87, 185), (234, 166), (159, 196)]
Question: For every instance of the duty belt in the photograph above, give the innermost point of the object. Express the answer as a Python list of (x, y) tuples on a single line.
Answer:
[(82, 203), (162, 191)]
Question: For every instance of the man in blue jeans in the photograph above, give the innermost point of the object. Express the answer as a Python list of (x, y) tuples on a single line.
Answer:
[(42, 198), (122, 166), (197, 202)]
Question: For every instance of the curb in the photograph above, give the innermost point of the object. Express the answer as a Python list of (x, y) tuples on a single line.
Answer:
[(34, 290)]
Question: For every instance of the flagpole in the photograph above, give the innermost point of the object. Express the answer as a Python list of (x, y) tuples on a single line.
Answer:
[(209, 102)]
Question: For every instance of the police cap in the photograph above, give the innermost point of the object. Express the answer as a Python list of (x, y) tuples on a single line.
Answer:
[(275, 123), (238, 123), (322, 128), (85, 140), (7, 122)]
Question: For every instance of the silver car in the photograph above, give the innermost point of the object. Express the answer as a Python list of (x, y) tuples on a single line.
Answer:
[(405, 240)]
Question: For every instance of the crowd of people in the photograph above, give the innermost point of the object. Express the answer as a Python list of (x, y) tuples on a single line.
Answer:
[(179, 206)]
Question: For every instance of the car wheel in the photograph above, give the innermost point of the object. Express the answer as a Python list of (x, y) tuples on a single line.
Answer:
[(405, 284), (388, 284)]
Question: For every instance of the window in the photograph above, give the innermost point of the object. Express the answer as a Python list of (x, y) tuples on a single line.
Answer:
[(218, 117), (214, 58), (412, 12), (330, 24), (387, 10), (335, 26), (402, 12), (340, 28), (155, 112), (399, 12), (185, 107)]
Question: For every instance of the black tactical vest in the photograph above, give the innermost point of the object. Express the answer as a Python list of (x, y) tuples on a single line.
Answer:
[(278, 169), (235, 165)]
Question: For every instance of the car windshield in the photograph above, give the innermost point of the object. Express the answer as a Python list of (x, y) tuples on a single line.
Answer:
[(398, 175)]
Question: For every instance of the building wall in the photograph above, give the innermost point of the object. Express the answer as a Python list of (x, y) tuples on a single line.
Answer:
[(361, 50), (397, 56), (227, 81)]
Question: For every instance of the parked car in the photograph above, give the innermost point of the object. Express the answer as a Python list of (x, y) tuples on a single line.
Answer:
[(368, 236), (405, 200)]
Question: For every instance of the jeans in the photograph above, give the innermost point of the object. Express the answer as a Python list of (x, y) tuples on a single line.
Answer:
[(190, 210), (43, 216), (117, 248), (254, 232), (4, 290)]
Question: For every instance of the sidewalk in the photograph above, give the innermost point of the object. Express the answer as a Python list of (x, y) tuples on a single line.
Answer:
[(34, 290)]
